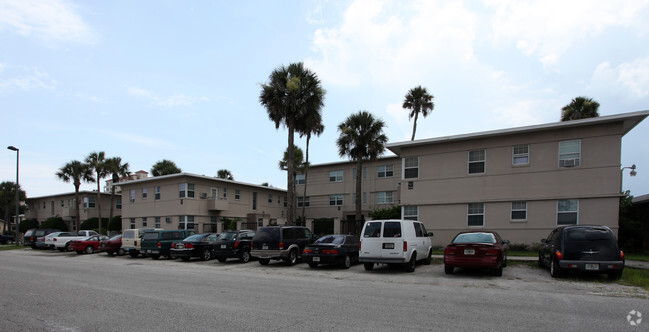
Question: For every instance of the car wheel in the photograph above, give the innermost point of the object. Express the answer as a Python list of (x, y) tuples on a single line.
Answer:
[(244, 257), (292, 258), (505, 261), (347, 262), (410, 267), (185, 259), (90, 249), (313, 265), (207, 254), (120, 252), (263, 261), (498, 272), (221, 259), (555, 272), (614, 275), (133, 253), (368, 266), (448, 269), (429, 258), (10, 242), (541, 261), (61, 249), (79, 252), (67, 247), (156, 256)]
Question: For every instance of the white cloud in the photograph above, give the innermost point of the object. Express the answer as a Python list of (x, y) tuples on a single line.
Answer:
[(24, 79), (632, 78), (174, 100), (45, 19)]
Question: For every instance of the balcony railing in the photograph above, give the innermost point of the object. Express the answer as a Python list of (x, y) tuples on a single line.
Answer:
[(218, 204)]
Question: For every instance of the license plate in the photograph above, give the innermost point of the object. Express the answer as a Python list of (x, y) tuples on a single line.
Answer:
[(388, 246), (316, 259), (223, 246), (469, 251), (180, 246), (592, 267), (264, 247)]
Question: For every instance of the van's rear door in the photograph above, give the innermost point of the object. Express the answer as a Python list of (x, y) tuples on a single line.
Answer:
[(371, 240), (392, 243)]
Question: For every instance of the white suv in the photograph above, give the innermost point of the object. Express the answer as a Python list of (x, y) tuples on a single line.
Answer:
[(394, 242)]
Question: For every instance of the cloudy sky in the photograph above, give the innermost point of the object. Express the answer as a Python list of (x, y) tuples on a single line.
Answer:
[(178, 80)]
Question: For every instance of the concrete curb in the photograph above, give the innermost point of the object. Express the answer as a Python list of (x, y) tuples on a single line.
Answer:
[(630, 263)]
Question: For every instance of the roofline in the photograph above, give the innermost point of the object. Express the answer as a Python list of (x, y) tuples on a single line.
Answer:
[(630, 120), (640, 199), (70, 193), (185, 174), (352, 162)]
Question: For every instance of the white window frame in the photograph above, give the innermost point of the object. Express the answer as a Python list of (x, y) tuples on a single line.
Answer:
[(144, 193), (475, 209), (336, 199), (518, 206), (385, 171), (214, 193), (270, 198), (477, 161), (186, 190), (157, 193), (561, 210), (567, 159), (336, 176), (407, 167), (300, 179), (157, 222), (384, 197), (407, 212), (131, 195), (237, 194), (517, 154)]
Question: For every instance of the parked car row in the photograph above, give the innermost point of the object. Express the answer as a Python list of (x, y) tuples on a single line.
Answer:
[(583, 248)]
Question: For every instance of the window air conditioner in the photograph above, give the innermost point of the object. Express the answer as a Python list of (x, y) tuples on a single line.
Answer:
[(570, 162), (203, 195)]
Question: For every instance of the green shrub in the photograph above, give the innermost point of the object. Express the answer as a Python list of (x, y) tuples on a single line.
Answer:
[(115, 224), (392, 212), (27, 224), (55, 223), (93, 224)]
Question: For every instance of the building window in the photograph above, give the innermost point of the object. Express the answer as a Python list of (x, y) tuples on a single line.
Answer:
[(157, 222), (475, 214), (567, 211), (131, 195), (477, 162), (270, 198), (254, 201), (88, 202), (225, 193), (519, 210), (300, 179), (157, 192), (410, 212), (336, 176), (214, 193), (186, 222), (411, 168), (237, 194), (384, 197), (386, 171), (285, 202), (186, 190), (364, 173), (364, 198), (336, 200), (570, 153), (213, 221), (144, 193), (118, 204), (132, 223), (61, 203), (301, 201), (144, 222), (521, 154)]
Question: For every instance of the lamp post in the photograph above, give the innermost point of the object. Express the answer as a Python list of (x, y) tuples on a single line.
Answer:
[(632, 173), (13, 148)]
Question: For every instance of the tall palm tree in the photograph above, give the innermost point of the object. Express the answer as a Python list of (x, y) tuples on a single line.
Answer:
[(164, 167), (96, 161), (298, 159), (418, 100), (224, 174), (76, 172), (8, 201), (361, 139), (312, 125), (116, 170), (580, 108), (291, 92)]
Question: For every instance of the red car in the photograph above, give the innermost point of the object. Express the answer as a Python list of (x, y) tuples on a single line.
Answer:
[(476, 249), (86, 245), (112, 245)]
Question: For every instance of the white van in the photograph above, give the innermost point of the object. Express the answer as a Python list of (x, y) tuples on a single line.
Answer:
[(132, 240), (394, 242)]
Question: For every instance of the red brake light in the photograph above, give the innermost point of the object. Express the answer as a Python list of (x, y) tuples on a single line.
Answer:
[(330, 252), (54, 239), (492, 252), (281, 245), (135, 243), (405, 245), (173, 245), (307, 251), (159, 245), (621, 255), (236, 244), (558, 255), (189, 245), (449, 251)]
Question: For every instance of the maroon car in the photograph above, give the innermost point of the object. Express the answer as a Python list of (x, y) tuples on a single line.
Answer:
[(112, 246), (86, 245), (476, 249)]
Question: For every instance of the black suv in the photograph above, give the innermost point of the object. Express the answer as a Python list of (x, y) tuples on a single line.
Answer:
[(234, 244), (280, 242), (582, 248), (35, 235)]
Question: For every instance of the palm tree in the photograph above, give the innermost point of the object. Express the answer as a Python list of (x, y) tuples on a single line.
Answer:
[(290, 94), (164, 167), (418, 101), (312, 125), (117, 170), (96, 161), (298, 159), (580, 108), (76, 172), (8, 200), (224, 174), (361, 139)]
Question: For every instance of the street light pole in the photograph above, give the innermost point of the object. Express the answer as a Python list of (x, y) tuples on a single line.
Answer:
[(13, 148)]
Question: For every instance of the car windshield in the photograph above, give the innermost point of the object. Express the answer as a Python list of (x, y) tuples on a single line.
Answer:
[(39, 232), (51, 235), (227, 236), (116, 237), (475, 238), (335, 239), (267, 233), (195, 238), (588, 234)]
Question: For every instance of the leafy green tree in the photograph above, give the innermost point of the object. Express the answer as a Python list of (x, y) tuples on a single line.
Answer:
[(97, 161), (27, 224), (418, 100), (164, 167), (361, 139), (8, 201), (291, 93), (116, 170), (580, 108), (93, 224), (115, 224), (298, 159), (224, 174), (55, 223), (75, 172), (392, 212)]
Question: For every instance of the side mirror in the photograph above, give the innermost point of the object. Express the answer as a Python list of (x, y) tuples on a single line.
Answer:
[(505, 241), (429, 234)]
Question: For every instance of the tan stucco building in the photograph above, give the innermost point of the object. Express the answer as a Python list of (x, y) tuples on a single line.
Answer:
[(521, 182), (203, 203), (62, 205)]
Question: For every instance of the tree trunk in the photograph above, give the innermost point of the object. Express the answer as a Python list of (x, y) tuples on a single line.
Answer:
[(306, 171), (99, 202), (359, 179), (414, 126), (290, 213), (76, 205)]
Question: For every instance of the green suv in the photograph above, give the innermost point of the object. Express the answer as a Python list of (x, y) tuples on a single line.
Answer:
[(158, 243)]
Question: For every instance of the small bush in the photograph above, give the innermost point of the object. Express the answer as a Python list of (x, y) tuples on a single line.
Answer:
[(115, 224), (392, 212), (27, 224), (55, 223)]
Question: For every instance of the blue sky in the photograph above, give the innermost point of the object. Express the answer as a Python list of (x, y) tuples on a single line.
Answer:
[(178, 80)]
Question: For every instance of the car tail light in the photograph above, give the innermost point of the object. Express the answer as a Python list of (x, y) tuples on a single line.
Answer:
[(54, 239), (188, 245), (449, 251), (307, 251), (173, 246), (330, 252), (558, 255), (492, 252), (159, 245), (405, 245), (359, 245), (135, 243), (621, 255), (236, 243), (252, 244), (281, 245)]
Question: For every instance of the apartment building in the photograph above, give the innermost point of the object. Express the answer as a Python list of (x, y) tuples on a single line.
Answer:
[(62, 205), (203, 203), (108, 187), (522, 182)]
